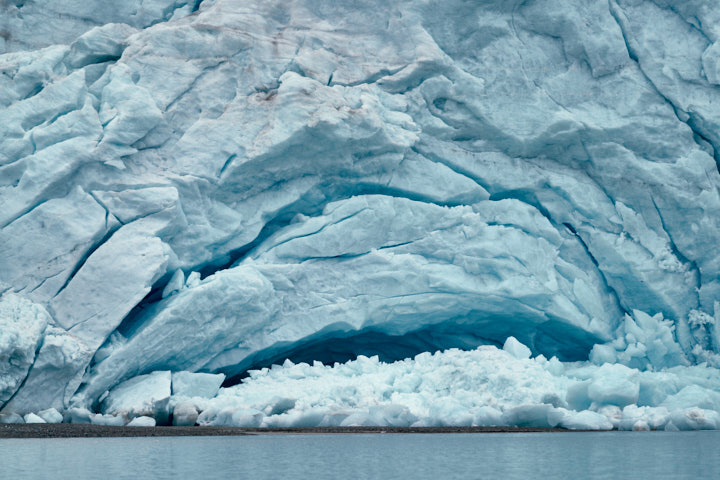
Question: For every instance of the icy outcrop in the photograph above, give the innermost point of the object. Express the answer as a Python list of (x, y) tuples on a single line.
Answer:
[(21, 327), (55, 374), (217, 186)]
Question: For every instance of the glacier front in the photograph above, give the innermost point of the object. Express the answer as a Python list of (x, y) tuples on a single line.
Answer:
[(421, 213)]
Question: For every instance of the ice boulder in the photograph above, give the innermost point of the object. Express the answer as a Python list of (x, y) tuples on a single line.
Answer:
[(248, 418), (585, 420), (188, 384), (614, 385), (533, 415), (144, 395), (11, 418), (643, 418), (33, 418), (142, 422), (184, 414), (516, 349), (78, 415), (693, 396), (50, 415), (108, 420), (694, 419)]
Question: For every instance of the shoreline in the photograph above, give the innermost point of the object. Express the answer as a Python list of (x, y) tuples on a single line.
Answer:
[(70, 430)]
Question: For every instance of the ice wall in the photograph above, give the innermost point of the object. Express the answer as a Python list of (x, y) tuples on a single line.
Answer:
[(217, 186)]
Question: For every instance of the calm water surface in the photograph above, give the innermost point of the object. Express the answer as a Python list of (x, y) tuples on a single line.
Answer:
[(611, 455)]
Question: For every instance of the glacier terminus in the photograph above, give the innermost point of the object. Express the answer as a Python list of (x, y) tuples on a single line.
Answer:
[(339, 213)]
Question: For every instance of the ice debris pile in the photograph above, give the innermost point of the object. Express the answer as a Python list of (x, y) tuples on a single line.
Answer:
[(211, 188)]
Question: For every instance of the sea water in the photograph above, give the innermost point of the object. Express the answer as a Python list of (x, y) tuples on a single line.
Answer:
[(610, 455)]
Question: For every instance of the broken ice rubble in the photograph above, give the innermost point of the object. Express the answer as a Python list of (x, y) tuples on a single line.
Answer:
[(482, 387)]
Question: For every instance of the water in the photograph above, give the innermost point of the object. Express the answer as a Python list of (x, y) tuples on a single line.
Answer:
[(610, 455)]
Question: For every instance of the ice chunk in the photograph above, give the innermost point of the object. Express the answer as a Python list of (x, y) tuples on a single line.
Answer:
[(643, 418), (175, 284), (516, 349), (193, 280), (586, 420), (144, 395), (11, 418), (488, 417), (232, 418), (695, 419), (78, 415), (142, 422), (32, 418), (185, 414), (641, 426), (188, 384), (537, 415), (55, 375), (693, 396), (614, 385), (108, 420), (21, 328), (51, 415), (603, 354)]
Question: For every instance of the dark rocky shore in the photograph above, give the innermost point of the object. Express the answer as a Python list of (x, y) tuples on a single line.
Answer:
[(66, 430)]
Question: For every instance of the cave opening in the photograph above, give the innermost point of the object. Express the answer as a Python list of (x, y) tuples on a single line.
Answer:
[(551, 338)]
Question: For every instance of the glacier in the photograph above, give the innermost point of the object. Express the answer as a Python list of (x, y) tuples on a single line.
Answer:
[(316, 213)]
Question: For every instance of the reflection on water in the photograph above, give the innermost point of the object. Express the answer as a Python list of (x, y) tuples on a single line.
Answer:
[(608, 455)]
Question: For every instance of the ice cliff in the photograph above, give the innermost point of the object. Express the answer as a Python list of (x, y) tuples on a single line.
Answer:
[(191, 192)]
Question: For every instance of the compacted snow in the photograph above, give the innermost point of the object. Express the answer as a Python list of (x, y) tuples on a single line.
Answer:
[(215, 187)]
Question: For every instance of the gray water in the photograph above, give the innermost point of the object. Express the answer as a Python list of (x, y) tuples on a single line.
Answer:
[(610, 455)]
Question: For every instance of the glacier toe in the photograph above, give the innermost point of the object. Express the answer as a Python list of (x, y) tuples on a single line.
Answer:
[(213, 187)]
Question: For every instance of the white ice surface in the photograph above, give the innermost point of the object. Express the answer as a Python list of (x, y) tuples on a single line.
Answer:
[(217, 186)]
